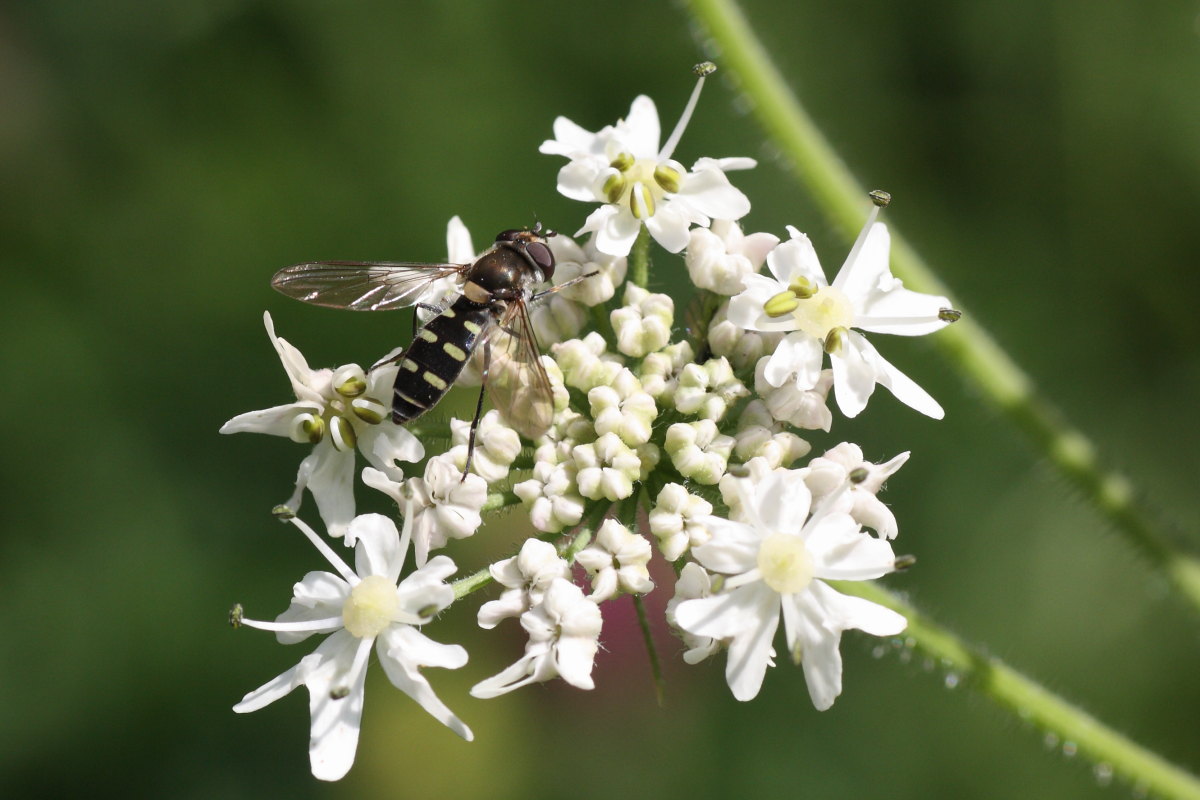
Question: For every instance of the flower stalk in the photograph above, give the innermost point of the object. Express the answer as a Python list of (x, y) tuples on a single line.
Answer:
[(1114, 753)]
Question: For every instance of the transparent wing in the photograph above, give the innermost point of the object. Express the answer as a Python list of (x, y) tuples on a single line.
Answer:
[(363, 285), (517, 382)]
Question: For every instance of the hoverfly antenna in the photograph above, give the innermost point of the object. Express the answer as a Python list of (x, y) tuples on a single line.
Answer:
[(537, 228)]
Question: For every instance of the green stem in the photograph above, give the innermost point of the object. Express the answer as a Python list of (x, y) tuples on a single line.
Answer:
[(967, 344), (639, 259), (1034, 703), (651, 650)]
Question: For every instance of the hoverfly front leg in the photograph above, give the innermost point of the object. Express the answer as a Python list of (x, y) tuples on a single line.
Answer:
[(562, 286)]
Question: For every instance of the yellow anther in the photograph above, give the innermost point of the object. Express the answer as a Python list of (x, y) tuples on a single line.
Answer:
[(667, 177), (641, 201), (834, 340), (781, 304), (803, 288), (344, 437), (622, 162), (614, 187)]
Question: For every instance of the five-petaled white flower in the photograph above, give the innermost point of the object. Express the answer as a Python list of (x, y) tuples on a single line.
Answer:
[(777, 561), (335, 411), (820, 318), (623, 167), (564, 629), (359, 608)]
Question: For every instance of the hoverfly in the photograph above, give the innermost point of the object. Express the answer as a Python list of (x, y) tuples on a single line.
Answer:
[(490, 311)]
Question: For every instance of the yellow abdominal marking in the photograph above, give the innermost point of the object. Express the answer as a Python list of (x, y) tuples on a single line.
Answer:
[(427, 335), (435, 381), (454, 351)]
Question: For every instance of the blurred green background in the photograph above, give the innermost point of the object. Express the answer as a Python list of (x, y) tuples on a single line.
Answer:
[(160, 160)]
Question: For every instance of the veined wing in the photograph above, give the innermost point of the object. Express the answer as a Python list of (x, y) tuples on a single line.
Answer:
[(517, 382), (362, 285)]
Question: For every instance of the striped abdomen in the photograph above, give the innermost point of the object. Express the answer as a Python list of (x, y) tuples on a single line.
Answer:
[(435, 358)]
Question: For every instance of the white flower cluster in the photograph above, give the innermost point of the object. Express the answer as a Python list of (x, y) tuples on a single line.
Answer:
[(657, 441)]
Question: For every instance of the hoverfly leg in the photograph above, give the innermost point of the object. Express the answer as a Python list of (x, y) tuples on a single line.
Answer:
[(539, 295), (487, 363), (391, 358)]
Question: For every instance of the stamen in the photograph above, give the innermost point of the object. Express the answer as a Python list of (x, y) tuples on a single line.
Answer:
[(614, 187), (622, 162), (344, 437), (781, 304), (667, 178), (333, 558), (703, 70), (641, 201), (307, 428), (306, 626), (949, 314), (878, 202)]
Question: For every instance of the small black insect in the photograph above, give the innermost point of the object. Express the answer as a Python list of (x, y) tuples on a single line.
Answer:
[(491, 311)]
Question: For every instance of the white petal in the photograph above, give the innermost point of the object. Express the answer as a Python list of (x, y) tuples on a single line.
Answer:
[(569, 139), (842, 551), (574, 657), (335, 700), (798, 357), (275, 421), (387, 443), (669, 227), (783, 501), (724, 164), (795, 258), (750, 653), (899, 384), (615, 229), (319, 595), (640, 131), (858, 279), (377, 549), (821, 659), (710, 192), (872, 513), (756, 246), (577, 179), (402, 650), (853, 375), (733, 548), (843, 612), (521, 673), (746, 309), (901, 312), (459, 249), (332, 485), (303, 379)]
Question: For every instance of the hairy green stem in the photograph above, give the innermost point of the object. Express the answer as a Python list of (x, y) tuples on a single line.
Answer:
[(1114, 754), (967, 344)]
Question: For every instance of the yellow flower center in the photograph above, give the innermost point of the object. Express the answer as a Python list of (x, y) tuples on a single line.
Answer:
[(371, 606), (640, 184), (824, 311), (785, 563)]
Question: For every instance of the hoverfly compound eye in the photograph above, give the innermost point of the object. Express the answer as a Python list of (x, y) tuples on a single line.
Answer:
[(543, 257), (509, 235)]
